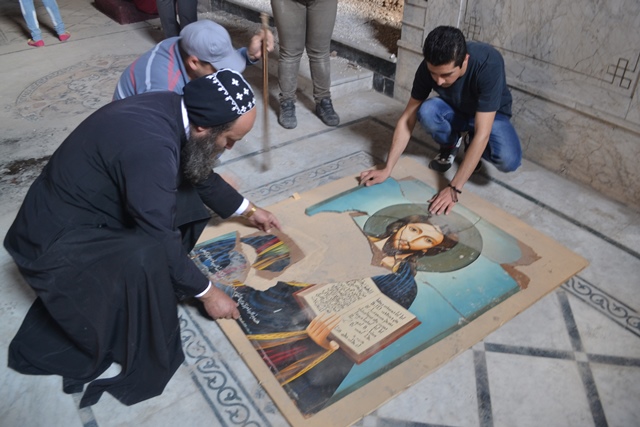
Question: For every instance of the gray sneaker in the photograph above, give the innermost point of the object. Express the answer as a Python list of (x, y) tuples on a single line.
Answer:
[(287, 115), (324, 110)]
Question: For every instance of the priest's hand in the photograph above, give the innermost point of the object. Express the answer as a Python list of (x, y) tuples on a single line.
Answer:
[(264, 220), (320, 328), (219, 305)]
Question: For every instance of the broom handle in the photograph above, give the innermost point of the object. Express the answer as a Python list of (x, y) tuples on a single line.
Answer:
[(265, 93)]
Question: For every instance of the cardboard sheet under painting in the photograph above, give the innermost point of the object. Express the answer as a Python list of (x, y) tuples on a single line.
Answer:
[(363, 292)]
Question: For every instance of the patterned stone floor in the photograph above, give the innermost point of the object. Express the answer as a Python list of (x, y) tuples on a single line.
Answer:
[(572, 359)]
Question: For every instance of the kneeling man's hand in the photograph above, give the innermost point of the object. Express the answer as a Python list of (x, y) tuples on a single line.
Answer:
[(219, 305), (372, 177)]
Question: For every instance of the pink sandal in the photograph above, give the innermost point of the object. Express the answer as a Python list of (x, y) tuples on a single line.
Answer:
[(64, 36), (32, 42)]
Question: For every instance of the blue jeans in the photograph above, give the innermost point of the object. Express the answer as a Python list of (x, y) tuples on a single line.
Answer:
[(29, 14), (445, 125)]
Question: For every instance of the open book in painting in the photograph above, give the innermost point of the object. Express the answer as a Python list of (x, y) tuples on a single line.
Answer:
[(369, 320)]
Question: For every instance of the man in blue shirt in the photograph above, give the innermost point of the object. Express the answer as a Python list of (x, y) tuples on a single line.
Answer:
[(473, 105), (202, 48)]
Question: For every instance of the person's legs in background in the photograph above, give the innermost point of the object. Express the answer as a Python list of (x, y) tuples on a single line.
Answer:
[(56, 19), (187, 12), (28, 10), (29, 14), (321, 18), (291, 22), (167, 12)]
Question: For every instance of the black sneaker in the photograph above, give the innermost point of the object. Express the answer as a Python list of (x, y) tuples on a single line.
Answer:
[(324, 110), (287, 116), (444, 159)]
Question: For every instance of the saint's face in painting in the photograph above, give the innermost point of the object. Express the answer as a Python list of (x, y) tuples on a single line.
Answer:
[(412, 235), (408, 233), (417, 237)]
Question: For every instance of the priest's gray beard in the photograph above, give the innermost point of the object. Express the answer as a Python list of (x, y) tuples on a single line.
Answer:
[(199, 154)]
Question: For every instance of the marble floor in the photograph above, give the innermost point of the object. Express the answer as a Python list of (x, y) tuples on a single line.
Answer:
[(572, 359)]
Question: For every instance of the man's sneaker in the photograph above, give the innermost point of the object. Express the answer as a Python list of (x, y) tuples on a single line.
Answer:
[(287, 116), (324, 110), (443, 161)]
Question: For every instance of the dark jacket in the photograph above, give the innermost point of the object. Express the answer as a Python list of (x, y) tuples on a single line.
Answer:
[(102, 237)]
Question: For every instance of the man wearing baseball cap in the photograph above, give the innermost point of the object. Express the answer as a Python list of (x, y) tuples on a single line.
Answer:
[(202, 48), (104, 233)]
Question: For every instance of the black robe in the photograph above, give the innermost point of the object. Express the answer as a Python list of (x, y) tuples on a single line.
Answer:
[(102, 237)]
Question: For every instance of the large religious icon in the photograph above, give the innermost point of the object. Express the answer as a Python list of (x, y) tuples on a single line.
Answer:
[(324, 340)]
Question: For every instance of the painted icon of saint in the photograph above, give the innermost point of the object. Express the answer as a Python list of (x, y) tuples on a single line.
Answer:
[(299, 351)]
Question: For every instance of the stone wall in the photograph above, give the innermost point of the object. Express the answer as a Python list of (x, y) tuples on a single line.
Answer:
[(573, 68)]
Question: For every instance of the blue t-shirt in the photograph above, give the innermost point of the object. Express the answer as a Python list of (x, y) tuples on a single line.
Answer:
[(482, 88)]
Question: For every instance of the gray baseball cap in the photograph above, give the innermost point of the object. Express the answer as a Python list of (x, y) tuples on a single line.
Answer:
[(211, 43)]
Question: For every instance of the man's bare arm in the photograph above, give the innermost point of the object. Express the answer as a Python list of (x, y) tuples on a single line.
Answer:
[(444, 201)]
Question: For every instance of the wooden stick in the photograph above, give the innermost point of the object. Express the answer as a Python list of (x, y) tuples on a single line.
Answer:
[(266, 165)]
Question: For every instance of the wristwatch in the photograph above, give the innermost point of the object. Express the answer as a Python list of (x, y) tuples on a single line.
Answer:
[(250, 211)]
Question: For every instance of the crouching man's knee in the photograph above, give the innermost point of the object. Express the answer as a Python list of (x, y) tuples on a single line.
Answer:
[(507, 163)]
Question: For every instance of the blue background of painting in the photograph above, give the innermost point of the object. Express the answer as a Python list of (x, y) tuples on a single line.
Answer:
[(445, 301)]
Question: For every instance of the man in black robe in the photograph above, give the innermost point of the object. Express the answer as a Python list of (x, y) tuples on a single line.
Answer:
[(104, 232)]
